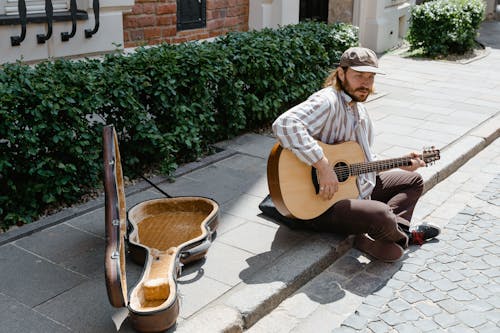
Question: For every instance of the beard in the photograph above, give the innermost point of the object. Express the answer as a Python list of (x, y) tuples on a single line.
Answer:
[(349, 90)]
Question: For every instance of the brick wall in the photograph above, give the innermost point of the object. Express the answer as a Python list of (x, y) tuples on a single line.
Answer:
[(155, 21)]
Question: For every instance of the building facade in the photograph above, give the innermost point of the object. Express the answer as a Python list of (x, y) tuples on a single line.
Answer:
[(79, 28), (174, 21), (34, 30), (382, 23)]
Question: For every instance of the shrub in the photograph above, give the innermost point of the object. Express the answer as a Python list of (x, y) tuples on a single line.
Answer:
[(168, 105), (280, 67), (48, 148), (445, 27)]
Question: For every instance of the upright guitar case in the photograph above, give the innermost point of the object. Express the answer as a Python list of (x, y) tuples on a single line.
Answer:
[(160, 234)]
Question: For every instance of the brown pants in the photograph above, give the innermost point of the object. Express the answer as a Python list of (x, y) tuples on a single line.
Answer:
[(385, 217)]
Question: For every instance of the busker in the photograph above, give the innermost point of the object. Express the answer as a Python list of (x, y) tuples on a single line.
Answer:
[(380, 217)]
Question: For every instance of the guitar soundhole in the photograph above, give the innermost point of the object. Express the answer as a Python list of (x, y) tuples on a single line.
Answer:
[(342, 171)]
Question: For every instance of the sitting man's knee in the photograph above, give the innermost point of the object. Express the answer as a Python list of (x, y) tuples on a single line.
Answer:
[(383, 218), (418, 183)]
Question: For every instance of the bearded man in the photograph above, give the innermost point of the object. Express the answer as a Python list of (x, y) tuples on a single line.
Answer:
[(380, 217)]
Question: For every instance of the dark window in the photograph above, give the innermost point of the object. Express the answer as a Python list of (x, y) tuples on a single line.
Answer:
[(313, 10), (191, 14)]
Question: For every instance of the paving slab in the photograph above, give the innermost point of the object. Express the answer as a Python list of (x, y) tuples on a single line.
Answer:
[(70, 248), (11, 311), (31, 279)]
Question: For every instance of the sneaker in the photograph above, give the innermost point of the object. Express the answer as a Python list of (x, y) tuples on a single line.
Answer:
[(385, 251), (423, 233)]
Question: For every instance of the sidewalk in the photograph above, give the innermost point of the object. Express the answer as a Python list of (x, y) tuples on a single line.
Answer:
[(52, 271), (448, 284)]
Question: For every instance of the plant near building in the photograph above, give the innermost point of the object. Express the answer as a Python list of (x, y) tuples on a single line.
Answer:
[(444, 27), (48, 147), (168, 103), (279, 67)]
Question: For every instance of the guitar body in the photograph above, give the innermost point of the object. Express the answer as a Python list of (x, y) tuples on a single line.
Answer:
[(292, 183), (294, 186)]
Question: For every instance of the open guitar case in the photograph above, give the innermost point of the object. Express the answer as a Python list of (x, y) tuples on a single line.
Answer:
[(160, 234)]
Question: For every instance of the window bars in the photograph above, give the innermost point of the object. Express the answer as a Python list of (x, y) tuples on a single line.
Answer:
[(48, 12)]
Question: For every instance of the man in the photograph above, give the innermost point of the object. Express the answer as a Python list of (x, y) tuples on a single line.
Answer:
[(380, 217)]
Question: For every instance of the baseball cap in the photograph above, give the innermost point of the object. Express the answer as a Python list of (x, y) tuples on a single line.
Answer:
[(360, 59)]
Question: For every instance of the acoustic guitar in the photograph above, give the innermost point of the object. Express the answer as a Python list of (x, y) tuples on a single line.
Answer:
[(294, 185)]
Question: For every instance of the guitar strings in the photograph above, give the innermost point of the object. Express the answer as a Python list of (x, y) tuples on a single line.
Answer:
[(344, 171)]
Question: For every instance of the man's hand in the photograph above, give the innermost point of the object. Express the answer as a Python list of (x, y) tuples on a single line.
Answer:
[(416, 162), (328, 182)]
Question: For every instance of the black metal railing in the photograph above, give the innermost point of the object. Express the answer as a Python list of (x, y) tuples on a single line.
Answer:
[(72, 15), (17, 40), (89, 33), (65, 36), (49, 11)]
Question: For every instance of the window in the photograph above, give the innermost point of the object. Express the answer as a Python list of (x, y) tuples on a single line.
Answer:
[(191, 14), (313, 10), (33, 6)]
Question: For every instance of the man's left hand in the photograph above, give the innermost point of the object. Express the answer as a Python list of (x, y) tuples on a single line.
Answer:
[(416, 162)]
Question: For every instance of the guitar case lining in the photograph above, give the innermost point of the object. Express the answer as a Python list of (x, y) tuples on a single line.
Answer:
[(162, 235)]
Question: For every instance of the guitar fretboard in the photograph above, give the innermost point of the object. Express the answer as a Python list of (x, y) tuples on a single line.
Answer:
[(375, 166), (356, 169)]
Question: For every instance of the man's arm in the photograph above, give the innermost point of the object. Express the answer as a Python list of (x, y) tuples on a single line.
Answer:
[(296, 128)]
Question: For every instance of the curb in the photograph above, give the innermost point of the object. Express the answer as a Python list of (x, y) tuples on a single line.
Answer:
[(248, 304), (459, 152), (69, 213)]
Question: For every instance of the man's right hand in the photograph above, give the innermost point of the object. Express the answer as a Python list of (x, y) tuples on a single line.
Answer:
[(328, 182)]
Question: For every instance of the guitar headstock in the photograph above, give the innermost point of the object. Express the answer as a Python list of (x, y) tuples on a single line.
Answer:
[(430, 155)]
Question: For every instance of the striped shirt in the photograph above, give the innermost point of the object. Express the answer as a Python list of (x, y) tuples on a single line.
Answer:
[(327, 116)]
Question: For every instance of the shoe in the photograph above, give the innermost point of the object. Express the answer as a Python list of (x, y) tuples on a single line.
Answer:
[(423, 233), (385, 251)]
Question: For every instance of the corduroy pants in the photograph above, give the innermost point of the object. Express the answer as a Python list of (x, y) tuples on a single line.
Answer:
[(386, 216)]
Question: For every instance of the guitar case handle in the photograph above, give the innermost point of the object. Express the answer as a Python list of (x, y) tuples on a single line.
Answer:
[(199, 249)]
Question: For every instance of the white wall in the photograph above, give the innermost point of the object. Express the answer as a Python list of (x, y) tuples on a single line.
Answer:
[(272, 13), (382, 23), (109, 35)]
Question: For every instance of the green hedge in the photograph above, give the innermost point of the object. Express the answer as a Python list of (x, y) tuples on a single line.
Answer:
[(444, 27), (168, 104)]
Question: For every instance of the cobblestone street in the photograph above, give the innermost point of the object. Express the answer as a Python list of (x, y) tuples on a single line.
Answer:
[(452, 284)]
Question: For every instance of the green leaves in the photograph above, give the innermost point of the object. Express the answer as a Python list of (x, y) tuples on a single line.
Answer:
[(168, 103), (44, 111), (445, 27), (280, 67)]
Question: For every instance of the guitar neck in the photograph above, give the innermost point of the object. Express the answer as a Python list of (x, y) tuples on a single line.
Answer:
[(376, 166)]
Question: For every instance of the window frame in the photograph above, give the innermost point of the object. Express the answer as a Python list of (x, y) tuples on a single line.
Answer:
[(187, 23)]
